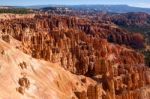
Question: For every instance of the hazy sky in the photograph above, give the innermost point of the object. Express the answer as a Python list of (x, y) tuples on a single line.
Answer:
[(139, 3)]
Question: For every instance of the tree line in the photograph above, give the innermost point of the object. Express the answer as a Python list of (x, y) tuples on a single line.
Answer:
[(15, 11)]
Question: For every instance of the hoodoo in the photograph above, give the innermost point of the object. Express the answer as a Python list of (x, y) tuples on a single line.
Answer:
[(74, 52)]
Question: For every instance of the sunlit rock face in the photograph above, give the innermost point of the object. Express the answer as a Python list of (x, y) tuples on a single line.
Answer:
[(54, 51), (23, 77)]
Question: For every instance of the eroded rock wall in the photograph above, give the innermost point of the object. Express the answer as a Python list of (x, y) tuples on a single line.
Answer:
[(81, 47)]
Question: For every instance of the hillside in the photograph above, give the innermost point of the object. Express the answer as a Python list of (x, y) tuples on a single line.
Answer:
[(97, 8), (24, 77)]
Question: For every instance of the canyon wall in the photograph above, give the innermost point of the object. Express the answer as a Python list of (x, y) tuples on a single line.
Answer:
[(99, 50)]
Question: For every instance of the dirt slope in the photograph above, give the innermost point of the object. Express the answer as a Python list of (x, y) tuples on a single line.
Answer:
[(45, 80)]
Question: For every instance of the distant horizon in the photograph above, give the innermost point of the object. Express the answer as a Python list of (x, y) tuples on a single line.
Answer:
[(73, 5), (133, 3)]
